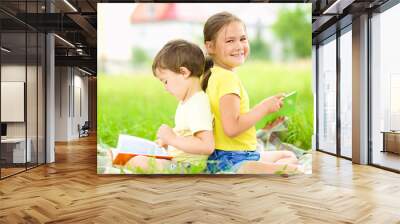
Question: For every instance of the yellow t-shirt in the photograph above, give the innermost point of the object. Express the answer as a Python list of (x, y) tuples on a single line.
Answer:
[(224, 82), (192, 116)]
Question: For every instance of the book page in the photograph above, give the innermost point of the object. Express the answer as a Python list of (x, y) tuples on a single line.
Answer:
[(141, 146)]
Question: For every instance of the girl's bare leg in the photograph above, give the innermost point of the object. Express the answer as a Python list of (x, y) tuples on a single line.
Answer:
[(283, 157)]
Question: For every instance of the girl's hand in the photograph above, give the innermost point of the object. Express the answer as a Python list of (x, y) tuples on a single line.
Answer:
[(273, 103), (165, 134)]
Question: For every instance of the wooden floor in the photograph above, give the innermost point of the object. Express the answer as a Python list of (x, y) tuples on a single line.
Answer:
[(10, 171), (5, 172), (70, 191)]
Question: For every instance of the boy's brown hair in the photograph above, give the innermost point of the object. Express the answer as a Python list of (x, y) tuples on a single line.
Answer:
[(180, 53)]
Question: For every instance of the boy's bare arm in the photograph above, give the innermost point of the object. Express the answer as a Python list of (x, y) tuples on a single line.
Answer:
[(201, 143)]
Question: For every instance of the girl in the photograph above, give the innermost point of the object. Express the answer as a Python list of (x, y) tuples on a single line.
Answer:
[(226, 42), (179, 65)]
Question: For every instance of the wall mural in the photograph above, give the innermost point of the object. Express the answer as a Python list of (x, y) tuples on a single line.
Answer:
[(204, 89)]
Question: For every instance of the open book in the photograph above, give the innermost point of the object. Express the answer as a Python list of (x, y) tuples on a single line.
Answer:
[(130, 146), (288, 108)]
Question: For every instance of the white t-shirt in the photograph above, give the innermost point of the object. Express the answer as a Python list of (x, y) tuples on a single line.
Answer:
[(192, 116)]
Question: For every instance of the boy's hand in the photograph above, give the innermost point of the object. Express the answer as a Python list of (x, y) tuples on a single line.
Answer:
[(273, 103), (165, 134), (161, 143)]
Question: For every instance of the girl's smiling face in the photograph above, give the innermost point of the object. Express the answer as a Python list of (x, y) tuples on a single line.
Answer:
[(231, 47)]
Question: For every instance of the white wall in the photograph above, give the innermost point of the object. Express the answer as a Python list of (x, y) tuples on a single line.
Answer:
[(80, 100), (70, 83), (62, 81), (82, 82)]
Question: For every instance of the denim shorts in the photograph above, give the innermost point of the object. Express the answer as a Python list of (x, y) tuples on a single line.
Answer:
[(222, 160)]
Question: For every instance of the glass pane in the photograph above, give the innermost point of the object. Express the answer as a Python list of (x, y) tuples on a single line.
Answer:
[(395, 102), (327, 97), (346, 94), (13, 86), (386, 89), (22, 51)]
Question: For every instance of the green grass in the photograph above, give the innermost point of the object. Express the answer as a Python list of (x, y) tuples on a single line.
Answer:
[(138, 104)]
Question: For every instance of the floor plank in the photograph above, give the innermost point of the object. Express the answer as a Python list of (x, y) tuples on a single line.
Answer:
[(70, 191)]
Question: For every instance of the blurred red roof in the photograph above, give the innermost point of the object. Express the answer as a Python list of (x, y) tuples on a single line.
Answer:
[(146, 12)]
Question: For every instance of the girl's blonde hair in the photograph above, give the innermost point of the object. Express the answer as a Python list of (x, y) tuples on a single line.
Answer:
[(180, 53), (211, 28)]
